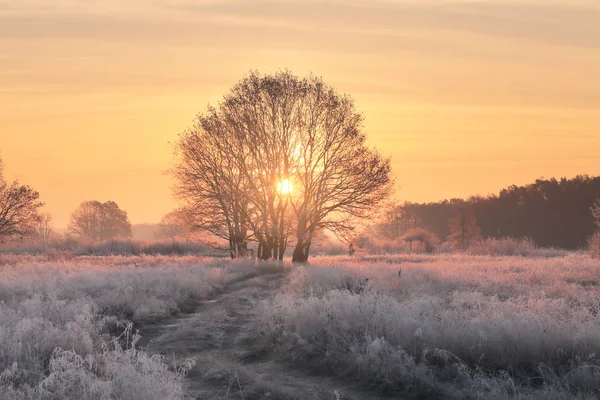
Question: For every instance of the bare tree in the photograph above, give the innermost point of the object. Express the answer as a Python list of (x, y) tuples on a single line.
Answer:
[(44, 227), (173, 225), (115, 222), (394, 222), (339, 177), (303, 146), (265, 114), (280, 154), (464, 230), (210, 185), (19, 206), (99, 221)]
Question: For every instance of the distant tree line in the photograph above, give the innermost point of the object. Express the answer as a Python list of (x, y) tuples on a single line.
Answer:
[(551, 212)]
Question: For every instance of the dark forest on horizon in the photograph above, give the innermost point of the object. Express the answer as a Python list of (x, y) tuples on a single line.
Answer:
[(551, 212)]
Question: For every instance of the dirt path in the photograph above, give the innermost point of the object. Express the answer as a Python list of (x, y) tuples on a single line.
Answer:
[(218, 336)]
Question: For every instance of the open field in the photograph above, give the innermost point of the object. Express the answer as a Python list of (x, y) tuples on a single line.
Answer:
[(448, 326)]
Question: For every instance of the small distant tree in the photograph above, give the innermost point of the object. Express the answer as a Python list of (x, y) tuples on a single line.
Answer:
[(44, 227), (172, 225), (395, 222), (596, 212), (99, 221), (210, 186), (594, 240), (594, 244), (464, 230), (19, 206)]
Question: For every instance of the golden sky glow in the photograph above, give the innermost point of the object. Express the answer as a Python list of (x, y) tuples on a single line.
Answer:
[(466, 97)]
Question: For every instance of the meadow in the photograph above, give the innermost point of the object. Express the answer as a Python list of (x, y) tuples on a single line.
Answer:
[(417, 326), (68, 327), (450, 326)]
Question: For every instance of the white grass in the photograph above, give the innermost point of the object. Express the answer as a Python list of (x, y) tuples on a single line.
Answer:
[(449, 326), (55, 320)]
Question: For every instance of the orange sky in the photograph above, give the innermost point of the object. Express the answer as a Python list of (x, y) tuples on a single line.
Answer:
[(466, 97)]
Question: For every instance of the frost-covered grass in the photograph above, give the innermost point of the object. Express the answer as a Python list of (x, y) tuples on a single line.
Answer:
[(449, 326), (513, 247), (72, 247), (60, 323)]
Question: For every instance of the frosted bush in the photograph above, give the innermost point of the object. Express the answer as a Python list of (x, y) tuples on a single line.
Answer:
[(512, 247)]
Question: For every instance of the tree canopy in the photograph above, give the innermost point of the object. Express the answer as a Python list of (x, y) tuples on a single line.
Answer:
[(99, 221), (19, 206), (280, 156), (552, 212)]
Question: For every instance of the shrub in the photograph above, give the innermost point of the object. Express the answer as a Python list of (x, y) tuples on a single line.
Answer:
[(594, 244), (354, 284), (428, 238)]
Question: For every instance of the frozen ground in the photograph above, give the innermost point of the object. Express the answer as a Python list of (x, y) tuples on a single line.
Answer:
[(447, 326)]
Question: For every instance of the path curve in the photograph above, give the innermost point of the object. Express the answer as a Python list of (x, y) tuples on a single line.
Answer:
[(218, 334)]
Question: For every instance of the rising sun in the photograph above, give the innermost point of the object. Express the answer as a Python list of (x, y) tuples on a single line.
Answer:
[(284, 186)]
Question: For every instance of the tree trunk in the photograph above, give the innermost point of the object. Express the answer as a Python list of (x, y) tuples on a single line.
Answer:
[(267, 250), (282, 246), (301, 252), (307, 249), (231, 248), (299, 255)]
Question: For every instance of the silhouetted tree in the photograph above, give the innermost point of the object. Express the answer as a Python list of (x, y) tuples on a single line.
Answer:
[(594, 244), (264, 113), (464, 230), (596, 212), (44, 227), (280, 152), (209, 184), (172, 225), (394, 222), (19, 206), (594, 239), (99, 221), (338, 176)]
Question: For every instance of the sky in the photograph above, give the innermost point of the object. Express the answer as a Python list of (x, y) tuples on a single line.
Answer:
[(466, 97)]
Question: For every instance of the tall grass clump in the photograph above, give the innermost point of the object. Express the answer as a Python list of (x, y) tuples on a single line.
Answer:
[(86, 247), (512, 247)]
